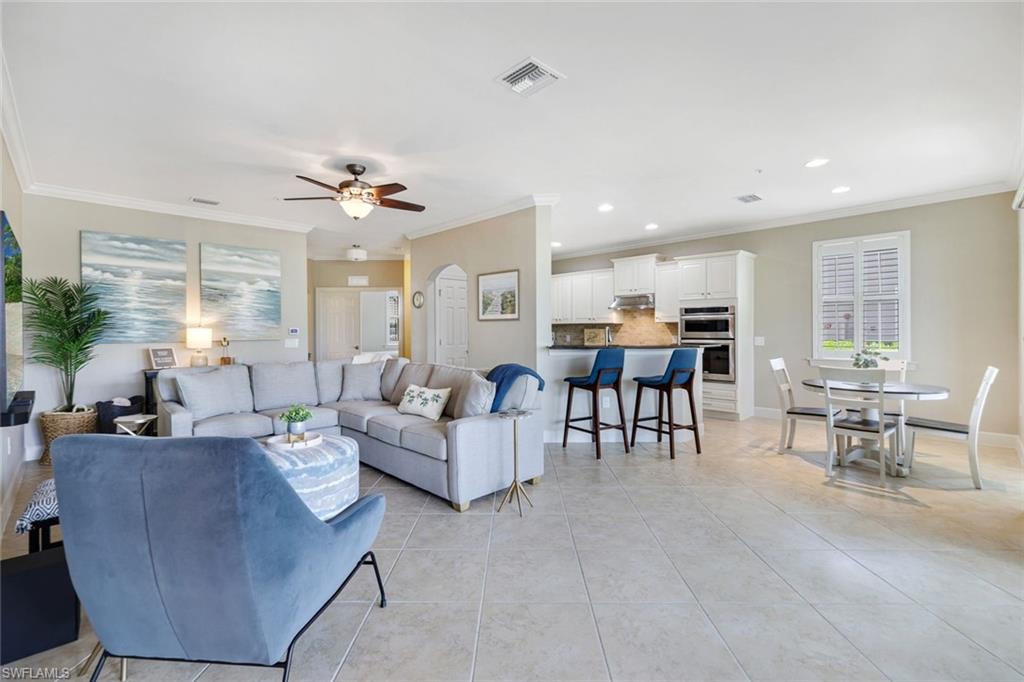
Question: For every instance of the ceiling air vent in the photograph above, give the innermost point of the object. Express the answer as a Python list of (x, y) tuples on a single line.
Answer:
[(748, 198), (529, 76), (205, 202)]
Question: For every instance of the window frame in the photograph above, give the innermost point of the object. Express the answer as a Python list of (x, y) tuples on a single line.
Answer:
[(857, 246)]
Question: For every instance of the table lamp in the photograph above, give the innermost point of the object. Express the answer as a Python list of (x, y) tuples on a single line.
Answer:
[(199, 339)]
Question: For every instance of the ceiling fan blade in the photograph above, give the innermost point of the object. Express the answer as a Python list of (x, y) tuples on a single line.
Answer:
[(309, 198), (317, 182), (402, 205), (388, 190)]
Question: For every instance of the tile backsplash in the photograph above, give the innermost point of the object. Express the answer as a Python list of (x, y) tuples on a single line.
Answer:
[(637, 328)]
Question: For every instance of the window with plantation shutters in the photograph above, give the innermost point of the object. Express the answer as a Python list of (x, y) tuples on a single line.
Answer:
[(861, 295)]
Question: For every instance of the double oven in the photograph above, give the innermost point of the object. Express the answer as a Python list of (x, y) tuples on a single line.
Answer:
[(712, 328)]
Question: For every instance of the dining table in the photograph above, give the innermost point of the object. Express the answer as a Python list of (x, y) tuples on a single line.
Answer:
[(897, 392)]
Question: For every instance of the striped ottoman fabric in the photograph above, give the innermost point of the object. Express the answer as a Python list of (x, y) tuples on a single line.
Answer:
[(325, 476)]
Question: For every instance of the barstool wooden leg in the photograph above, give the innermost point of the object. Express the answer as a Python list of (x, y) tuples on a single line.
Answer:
[(636, 413), (661, 413), (671, 424), (568, 415), (693, 420), (622, 416), (596, 417)]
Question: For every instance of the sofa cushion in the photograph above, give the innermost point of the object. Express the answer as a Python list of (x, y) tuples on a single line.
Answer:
[(323, 417), (282, 384), (426, 402), (362, 381), (241, 425), (224, 390), (353, 414), (475, 398), (388, 427), (167, 381), (524, 394), (428, 439), (413, 373), (328, 379), (389, 377), (456, 378)]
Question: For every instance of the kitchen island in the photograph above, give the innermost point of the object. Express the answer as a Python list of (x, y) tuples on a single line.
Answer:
[(574, 360)]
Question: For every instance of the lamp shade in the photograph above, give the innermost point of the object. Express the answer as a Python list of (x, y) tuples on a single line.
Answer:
[(198, 338), (356, 208)]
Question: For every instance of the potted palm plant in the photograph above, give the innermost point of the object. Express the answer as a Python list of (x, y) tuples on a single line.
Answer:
[(66, 323)]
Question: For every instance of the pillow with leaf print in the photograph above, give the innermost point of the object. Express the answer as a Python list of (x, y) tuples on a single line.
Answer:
[(426, 402)]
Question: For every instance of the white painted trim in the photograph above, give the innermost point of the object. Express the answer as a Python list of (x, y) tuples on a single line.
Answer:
[(1020, 449), (91, 197), (791, 221), (33, 453), (999, 440), (768, 412), (517, 205), (10, 122)]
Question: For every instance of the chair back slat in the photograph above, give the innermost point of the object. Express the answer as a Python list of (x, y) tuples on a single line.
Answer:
[(835, 396), (783, 384), (895, 366), (974, 425)]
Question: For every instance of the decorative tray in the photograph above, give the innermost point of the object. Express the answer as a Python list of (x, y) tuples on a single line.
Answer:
[(281, 442)]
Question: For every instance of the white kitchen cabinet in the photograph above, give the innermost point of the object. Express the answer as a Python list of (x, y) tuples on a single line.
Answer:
[(701, 278), (634, 275), (666, 292), (582, 297), (693, 279), (561, 299), (722, 277), (602, 295)]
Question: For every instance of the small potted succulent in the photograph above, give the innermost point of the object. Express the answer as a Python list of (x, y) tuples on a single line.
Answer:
[(867, 358), (296, 417)]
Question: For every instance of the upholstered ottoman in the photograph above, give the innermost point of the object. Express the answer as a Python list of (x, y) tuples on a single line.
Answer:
[(326, 476)]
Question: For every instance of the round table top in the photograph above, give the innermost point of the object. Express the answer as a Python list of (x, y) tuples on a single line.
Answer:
[(904, 391)]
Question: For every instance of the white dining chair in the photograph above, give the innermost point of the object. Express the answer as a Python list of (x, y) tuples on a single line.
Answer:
[(789, 412), (969, 432), (868, 422)]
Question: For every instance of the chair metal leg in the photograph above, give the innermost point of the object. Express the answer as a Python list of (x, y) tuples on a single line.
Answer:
[(124, 670), (792, 433), (693, 419), (636, 413), (84, 666), (99, 666), (568, 415), (622, 417), (595, 412), (671, 425)]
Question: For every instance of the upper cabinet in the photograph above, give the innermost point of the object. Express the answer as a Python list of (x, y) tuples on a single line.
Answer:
[(582, 297), (701, 277), (634, 275), (666, 292)]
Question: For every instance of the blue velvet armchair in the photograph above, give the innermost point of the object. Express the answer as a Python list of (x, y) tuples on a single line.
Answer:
[(198, 549)]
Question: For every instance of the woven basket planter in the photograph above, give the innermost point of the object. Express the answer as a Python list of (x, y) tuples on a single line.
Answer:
[(57, 424)]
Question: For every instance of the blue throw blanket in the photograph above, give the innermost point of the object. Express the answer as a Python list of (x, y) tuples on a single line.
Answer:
[(504, 376)]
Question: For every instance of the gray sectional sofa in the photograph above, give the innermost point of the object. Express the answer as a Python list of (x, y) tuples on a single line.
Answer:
[(464, 455)]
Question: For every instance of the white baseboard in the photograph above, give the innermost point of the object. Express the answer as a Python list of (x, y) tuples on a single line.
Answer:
[(33, 453), (767, 412)]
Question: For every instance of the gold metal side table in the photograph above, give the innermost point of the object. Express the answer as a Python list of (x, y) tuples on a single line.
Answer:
[(516, 489), (134, 424)]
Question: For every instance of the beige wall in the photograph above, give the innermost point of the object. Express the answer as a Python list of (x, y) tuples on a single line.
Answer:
[(514, 240), (51, 247), (963, 297), (335, 273), (1020, 330)]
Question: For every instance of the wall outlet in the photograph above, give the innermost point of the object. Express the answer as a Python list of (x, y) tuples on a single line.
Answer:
[(291, 343), (758, 340), (606, 401)]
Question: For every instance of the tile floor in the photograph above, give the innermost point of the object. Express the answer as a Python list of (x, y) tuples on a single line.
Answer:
[(741, 563)]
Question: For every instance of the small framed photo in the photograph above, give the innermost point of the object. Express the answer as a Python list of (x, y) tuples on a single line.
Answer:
[(162, 358), (498, 296)]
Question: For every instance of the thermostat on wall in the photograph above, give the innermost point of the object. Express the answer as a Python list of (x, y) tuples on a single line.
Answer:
[(293, 331)]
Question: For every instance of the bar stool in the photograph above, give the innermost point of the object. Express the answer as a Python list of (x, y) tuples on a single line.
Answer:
[(678, 374), (605, 374)]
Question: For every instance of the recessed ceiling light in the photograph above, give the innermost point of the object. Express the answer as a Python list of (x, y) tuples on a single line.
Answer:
[(841, 189), (555, 245), (651, 226), (815, 163), (604, 208)]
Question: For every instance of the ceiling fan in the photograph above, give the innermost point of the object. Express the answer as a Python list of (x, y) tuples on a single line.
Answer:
[(358, 198)]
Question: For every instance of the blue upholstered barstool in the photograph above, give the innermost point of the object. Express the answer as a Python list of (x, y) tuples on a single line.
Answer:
[(605, 374), (678, 374)]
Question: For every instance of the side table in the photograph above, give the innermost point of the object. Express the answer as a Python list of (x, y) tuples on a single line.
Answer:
[(516, 489), (134, 424)]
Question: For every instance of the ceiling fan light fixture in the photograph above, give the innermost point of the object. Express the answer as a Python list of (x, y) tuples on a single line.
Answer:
[(356, 208)]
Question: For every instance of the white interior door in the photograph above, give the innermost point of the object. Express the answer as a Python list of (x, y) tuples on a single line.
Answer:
[(452, 322), (337, 324)]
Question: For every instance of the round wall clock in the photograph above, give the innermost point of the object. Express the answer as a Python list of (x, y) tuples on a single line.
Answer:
[(417, 299)]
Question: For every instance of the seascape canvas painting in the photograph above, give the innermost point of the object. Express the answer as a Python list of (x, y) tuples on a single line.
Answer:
[(140, 281), (241, 291)]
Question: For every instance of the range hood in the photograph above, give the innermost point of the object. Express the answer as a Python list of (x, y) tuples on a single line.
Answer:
[(637, 302)]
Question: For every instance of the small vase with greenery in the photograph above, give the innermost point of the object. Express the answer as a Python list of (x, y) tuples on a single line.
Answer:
[(66, 323), (867, 358), (296, 417)]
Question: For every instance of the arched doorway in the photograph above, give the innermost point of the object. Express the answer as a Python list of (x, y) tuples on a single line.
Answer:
[(448, 316)]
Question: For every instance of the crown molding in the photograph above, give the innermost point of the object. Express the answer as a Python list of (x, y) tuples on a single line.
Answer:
[(118, 201), (530, 201), (10, 122), (848, 212)]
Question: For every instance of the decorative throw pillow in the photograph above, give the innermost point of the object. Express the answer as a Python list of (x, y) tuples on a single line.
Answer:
[(476, 397), (361, 382), (426, 402), (206, 395)]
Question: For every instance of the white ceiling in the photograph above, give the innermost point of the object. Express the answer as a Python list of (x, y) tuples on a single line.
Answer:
[(667, 110)]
